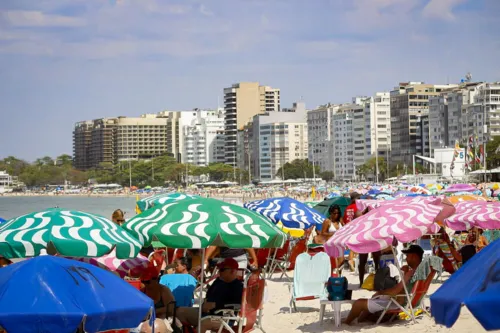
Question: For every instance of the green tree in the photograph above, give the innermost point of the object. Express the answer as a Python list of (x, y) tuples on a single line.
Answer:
[(369, 169), (297, 169), (327, 176), (492, 153)]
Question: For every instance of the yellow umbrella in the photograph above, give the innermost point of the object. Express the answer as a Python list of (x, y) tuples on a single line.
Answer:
[(495, 186)]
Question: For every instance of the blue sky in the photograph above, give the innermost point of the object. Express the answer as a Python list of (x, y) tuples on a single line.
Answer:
[(63, 61)]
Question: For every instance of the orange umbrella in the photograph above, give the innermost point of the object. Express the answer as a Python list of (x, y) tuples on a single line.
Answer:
[(466, 197)]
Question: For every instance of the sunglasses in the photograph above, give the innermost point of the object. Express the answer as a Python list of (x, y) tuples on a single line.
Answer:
[(225, 269), (120, 220)]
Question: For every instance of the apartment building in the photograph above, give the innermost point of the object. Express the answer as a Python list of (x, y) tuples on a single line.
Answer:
[(319, 134), (378, 130), (343, 144), (111, 140), (242, 101), (409, 100), (203, 137)]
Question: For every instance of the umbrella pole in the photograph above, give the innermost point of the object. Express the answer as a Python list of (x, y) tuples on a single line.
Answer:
[(202, 277), (404, 285)]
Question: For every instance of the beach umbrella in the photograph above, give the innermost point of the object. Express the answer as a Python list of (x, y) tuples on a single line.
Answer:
[(405, 219), (2, 220), (69, 233), (160, 199), (478, 213), (202, 222), (290, 212), (120, 266), (323, 206), (460, 188), (466, 197), (63, 294), (474, 285)]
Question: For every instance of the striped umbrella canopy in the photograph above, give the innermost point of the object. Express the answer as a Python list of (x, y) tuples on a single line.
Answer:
[(467, 197), (202, 222), (478, 213), (120, 266), (290, 212), (160, 199), (460, 188), (406, 221), (69, 233)]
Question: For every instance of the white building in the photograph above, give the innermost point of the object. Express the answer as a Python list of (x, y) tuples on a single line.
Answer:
[(343, 146), (378, 133), (203, 136), (276, 138), (5, 179), (319, 133)]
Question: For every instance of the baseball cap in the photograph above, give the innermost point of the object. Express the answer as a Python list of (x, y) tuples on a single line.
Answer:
[(414, 249), (228, 263)]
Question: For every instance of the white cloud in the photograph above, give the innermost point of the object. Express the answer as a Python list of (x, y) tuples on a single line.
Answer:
[(24, 18), (441, 9), (205, 11)]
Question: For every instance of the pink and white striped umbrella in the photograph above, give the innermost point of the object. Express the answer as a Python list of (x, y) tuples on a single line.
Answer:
[(120, 266), (406, 220), (469, 214)]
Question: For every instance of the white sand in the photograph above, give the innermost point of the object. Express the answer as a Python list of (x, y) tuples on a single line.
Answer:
[(277, 318)]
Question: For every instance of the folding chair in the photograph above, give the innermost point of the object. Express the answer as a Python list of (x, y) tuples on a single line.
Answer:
[(245, 317), (417, 295), (310, 277)]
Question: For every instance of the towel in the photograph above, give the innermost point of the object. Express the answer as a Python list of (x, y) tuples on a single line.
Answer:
[(424, 269)]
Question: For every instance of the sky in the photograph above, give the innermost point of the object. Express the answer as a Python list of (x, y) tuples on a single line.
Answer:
[(63, 61)]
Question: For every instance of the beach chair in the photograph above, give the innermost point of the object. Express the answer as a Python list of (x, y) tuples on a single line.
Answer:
[(314, 249), (417, 295), (310, 277), (182, 287), (248, 316)]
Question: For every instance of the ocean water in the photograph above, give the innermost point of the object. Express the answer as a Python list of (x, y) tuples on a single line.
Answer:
[(19, 205)]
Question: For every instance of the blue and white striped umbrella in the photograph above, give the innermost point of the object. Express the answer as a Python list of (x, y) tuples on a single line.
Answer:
[(290, 212)]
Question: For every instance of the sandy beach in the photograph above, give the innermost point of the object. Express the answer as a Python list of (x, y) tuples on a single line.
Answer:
[(277, 318)]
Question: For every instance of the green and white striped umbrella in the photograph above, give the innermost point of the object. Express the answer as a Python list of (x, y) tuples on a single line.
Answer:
[(69, 233), (160, 199), (199, 223)]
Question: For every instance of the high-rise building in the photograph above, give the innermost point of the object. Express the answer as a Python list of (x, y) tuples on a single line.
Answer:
[(204, 138), (378, 130), (409, 101), (319, 133), (242, 101), (111, 140), (82, 140), (343, 143), (274, 139)]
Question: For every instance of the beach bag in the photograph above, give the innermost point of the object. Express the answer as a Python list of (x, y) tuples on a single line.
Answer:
[(337, 288), (368, 283), (383, 279)]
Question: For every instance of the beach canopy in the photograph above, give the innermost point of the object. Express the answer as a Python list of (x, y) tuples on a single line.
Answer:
[(66, 232), (2, 220), (53, 294), (477, 213), (475, 285), (202, 222), (460, 188), (323, 206), (405, 219), (160, 199), (290, 212), (121, 267)]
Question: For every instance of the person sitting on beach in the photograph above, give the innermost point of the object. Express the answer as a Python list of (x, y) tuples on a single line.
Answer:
[(445, 249), (240, 255), (160, 294), (225, 290), (330, 225), (381, 299), (118, 217)]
